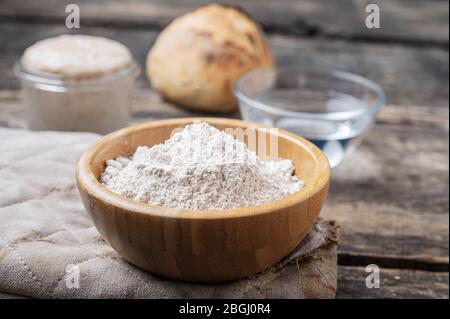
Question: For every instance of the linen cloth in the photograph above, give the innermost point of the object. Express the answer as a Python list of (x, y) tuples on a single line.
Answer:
[(49, 247)]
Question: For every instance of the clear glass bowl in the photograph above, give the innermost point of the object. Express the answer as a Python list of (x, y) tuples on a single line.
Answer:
[(331, 108)]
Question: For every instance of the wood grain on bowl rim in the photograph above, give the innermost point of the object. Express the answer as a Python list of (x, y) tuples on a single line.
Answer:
[(91, 182), (202, 246)]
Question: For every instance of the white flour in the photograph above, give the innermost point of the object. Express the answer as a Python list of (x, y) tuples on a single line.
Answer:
[(200, 168)]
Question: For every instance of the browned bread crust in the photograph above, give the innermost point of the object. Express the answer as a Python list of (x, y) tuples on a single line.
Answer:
[(198, 57)]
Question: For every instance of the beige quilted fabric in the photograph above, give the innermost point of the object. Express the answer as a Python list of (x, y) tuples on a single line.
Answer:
[(45, 232)]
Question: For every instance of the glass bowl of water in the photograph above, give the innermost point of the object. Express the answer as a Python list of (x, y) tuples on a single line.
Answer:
[(333, 109)]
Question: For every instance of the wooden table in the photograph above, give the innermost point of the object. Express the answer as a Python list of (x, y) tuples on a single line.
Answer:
[(391, 196)]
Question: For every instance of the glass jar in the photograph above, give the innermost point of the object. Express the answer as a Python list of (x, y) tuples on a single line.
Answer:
[(99, 104)]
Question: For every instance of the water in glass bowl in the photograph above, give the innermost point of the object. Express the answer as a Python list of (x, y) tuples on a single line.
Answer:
[(336, 123)]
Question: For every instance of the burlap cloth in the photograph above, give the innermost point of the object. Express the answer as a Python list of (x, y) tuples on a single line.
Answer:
[(44, 228)]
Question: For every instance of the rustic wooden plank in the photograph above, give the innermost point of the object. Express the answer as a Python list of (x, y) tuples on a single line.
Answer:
[(394, 283), (390, 195), (148, 105), (414, 114), (410, 75), (414, 21)]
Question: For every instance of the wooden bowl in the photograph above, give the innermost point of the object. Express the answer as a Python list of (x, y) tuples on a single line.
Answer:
[(202, 246)]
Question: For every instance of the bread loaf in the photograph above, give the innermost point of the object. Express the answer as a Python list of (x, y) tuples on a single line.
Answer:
[(197, 58)]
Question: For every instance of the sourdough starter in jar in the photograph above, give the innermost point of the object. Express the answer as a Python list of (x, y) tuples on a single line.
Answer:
[(77, 83)]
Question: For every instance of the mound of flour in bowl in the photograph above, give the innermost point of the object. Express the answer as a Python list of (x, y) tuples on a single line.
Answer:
[(200, 167)]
